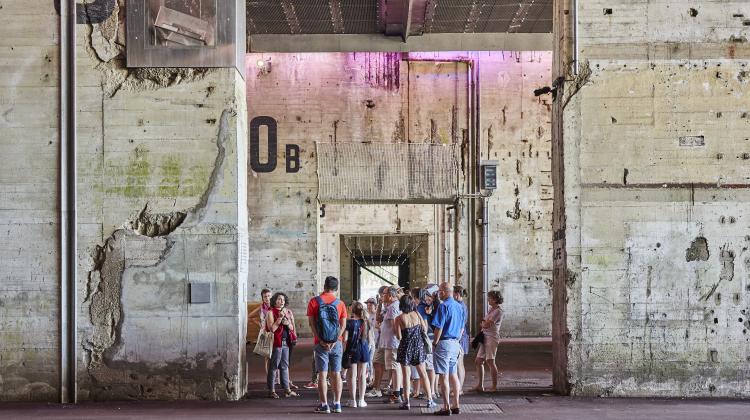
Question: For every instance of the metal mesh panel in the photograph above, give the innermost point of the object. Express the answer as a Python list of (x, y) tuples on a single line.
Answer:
[(266, 17), (387, 172), (314, 16)]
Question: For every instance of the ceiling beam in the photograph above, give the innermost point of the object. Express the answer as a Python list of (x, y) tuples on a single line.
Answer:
[(380, 43), (407, 24)]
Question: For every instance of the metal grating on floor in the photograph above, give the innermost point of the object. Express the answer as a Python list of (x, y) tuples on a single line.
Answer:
[(470, 409)]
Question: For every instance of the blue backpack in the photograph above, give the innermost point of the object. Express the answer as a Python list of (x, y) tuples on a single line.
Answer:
[(328, 321)]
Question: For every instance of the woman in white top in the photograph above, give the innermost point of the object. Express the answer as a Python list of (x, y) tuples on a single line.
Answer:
[(488, 348)]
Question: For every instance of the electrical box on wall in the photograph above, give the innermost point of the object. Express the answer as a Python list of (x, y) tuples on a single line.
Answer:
[(489, 174), (186, 33), (200, 292)]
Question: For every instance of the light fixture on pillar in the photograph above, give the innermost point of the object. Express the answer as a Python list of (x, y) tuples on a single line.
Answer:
[(264, 65)]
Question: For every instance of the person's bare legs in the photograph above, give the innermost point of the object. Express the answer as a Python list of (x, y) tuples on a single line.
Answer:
[(322, 388), (433, 381), (336, 386), (379, 368), (406, 382), (461, 372), (362, 381), (456, 385), (445, 390), (493, 371), (353, 382), (396, 378), (424, 380), (480, 375)]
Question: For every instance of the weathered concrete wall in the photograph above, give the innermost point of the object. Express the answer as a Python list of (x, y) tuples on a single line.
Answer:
[(516, 133), (160, 163), (378, 97), (656, 185), (29, 144)]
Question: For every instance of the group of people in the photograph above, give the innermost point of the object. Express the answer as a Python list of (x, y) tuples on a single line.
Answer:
[(417, 338)]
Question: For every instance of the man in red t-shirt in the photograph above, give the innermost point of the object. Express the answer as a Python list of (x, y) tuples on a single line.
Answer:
[(328, 354)]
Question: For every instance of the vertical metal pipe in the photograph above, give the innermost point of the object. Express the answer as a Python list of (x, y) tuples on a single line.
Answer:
[(67, 176), (471, 189), (485, 253)]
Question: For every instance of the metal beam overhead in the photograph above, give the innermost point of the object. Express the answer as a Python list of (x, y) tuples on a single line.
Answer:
[(379, 43)]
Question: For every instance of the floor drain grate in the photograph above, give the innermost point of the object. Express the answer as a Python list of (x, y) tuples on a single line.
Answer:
[(470, 409)]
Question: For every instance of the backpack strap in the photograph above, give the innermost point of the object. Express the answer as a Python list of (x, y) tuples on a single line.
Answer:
[(319, 300)]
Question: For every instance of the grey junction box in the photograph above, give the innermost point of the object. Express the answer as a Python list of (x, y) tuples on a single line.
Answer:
[(200, 292), (489, 174)]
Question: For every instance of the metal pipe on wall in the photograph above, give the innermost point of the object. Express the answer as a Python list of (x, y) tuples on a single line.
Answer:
[(68, 197)]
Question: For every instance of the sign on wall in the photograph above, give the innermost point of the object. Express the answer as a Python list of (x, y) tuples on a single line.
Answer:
[(185, 33), (268, 163)]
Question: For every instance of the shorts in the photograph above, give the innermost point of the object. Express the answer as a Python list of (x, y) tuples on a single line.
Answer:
[(379, 356), (328, 361), (446, 355), (487, 349), (390, 359), (414, 373)]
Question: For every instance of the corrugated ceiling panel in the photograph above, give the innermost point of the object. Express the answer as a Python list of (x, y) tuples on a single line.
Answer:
[(539, 19), (314, 16), (451, 16), (266, 17), (360, 16)]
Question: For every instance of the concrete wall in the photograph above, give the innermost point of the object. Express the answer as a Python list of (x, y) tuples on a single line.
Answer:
[(656, 185), (378, 97), (29, 144), (161, 158)]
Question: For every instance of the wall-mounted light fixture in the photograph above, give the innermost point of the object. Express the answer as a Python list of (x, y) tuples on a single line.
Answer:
[(264, 66)]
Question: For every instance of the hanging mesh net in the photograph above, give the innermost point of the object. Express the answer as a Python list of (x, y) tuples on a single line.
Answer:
[(387, 172)]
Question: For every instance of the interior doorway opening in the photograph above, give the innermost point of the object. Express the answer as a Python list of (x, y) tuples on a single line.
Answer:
[(368, 279)]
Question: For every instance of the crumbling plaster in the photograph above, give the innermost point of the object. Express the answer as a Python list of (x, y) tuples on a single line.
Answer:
[(656, 186), (158, 156)]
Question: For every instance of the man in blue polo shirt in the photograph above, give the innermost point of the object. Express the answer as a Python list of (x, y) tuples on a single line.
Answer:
[(448, 323)]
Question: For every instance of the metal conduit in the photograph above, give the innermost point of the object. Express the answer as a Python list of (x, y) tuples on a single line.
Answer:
[(67, 190)]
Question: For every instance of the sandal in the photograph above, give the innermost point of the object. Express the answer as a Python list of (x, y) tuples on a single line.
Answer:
[(273, 395), (289, 393)]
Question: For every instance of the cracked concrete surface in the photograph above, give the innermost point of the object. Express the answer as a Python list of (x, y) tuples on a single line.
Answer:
[(105, 44), (146, 247)]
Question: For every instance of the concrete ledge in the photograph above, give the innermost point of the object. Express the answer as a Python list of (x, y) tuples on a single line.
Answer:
[(381, 43)]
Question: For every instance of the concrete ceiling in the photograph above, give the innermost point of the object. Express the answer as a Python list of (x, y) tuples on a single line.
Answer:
[(379, 23)]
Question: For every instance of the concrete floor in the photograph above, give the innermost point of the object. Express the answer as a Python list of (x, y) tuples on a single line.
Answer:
[(523, 395)]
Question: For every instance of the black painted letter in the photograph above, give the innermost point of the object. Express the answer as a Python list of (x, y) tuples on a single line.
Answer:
[(255, 164), (292, 158)]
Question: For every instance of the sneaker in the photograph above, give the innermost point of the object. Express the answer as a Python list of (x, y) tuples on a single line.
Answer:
[(374, 393), (394, 399), (353, 403), (362, 404), (430, 404), (311, 385), (404, 406), (323, 409), (336, 408)]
